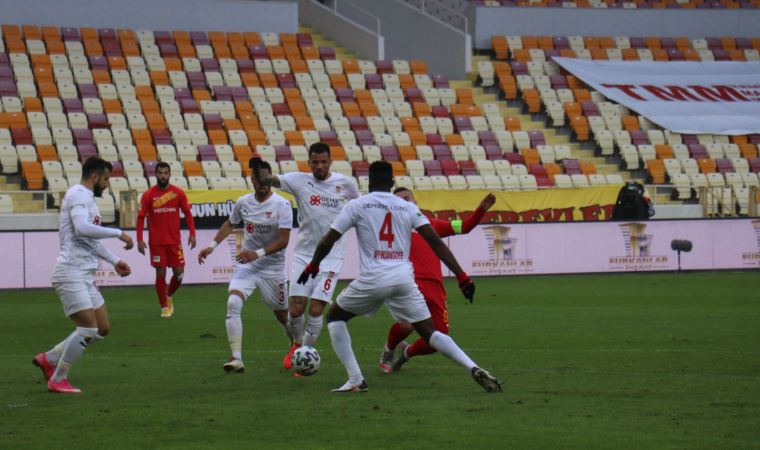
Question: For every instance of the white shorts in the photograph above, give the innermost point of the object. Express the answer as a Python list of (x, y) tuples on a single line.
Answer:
[(404, 301), (320, 287), (78, 295), (274, 292)]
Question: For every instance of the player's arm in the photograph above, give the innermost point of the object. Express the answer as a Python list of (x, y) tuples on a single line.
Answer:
[(465, 283), (83, 227), (121, 267), (142, 211), (445, 228), (323, 249), (268, 180), (184, 204), (224, 231), (283, 237)]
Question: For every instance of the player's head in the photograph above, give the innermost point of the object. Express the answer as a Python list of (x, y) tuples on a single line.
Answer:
[(163, 174), (405, 193), (96, 172), (262, 190), (319, 160), (380, 176)]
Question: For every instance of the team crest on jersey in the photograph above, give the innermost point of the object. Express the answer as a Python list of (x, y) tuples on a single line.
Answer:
[(249, 227), (315, 200), (96, 220), (269, 214), (338, 189)]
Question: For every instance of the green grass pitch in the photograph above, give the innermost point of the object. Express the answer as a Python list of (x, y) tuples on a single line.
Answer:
[(646, 361)]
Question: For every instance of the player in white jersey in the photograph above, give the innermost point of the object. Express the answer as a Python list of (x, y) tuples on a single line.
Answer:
[(320, 196), (80, 248), (267, 220), (384, 224)]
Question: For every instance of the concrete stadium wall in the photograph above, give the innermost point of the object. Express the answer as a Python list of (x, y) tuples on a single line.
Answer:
[(411, 34), (366, 43), (691, 23), (216, 15)]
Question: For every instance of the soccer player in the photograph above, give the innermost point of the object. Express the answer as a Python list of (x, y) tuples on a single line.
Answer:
[(161, 205), (384, 224), (428, 277), (267, 219), (80, 248), (320, 196)]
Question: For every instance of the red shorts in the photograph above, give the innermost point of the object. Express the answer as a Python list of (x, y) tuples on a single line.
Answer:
[(166, 256), (435, 297)]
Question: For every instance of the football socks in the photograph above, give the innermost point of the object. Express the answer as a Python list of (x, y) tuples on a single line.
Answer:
[(235, 325), (448, 347), (313, 328), (76, 343), (341, 342)]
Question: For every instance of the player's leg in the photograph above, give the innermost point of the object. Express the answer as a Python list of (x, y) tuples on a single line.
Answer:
[(175, 260), (358, 298), (396, 335), (274, 294), (439, 313), (323, 287), (242, 285), (299, 297)]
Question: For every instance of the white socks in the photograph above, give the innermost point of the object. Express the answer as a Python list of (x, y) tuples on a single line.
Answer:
[(73, 348), (444, 344), (341, 342), (313, 328), (235, 325), (296, 325)]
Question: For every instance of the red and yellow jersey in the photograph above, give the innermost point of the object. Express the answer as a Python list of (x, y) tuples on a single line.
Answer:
[(162, 207)]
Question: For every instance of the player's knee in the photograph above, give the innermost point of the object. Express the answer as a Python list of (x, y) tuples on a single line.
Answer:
[(160, 272), (103, 330), (297, 306), (234, 304), (316, 308), (86, 335)]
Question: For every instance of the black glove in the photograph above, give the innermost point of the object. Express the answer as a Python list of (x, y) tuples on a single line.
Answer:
[(309, 271), (467, 286)]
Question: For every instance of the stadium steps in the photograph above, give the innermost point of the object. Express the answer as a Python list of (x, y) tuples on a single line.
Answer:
[(321, 41), (23, 202)]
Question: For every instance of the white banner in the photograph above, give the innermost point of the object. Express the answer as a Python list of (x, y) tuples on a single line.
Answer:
[(496, 249), (683, 97)]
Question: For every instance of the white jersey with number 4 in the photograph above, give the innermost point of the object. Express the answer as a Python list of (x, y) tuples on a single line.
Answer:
[(384, 224), (319, 203), (262, 222)]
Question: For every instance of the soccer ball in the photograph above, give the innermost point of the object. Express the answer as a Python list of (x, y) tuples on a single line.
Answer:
[(306, 360)]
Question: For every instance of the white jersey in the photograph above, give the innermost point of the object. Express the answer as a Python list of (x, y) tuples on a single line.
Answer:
[(319, 203), (384, 225), (79, 253), (261, 224)]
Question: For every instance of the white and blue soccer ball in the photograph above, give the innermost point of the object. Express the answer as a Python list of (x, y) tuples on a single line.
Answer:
[(306, 360)]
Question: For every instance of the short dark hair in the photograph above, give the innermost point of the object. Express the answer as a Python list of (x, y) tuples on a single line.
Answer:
[(163, 164), (95, 164), (319, 147), (265, 165), (401, 189), (381, 175)]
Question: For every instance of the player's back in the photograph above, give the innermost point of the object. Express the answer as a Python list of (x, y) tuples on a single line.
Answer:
[(384, 224), (77, 252)]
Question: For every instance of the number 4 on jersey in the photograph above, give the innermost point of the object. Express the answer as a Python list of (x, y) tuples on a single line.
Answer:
[(386, 230)]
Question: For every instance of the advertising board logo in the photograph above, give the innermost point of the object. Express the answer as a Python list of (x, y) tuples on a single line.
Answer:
[(752, 259), (637, 245), (502, 257)]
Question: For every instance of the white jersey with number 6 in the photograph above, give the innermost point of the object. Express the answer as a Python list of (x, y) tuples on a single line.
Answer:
[(384, 225)]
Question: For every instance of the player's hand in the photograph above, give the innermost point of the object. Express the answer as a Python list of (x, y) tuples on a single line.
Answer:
[(141, 247), (467, 286), (309, 271), (246, 256), (203, 254), (191, 242), (487, 202), (122, 269), (127, 240)]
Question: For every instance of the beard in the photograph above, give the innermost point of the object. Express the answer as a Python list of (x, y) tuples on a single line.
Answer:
[(98, 191), (162, 183)]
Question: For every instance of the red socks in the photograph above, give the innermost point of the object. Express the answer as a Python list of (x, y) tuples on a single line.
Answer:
[(174, 284), (420, 347), (397, 333), (161, 291)]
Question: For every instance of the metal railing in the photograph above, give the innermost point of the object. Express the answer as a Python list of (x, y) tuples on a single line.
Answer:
[(442, 12), (726, 202), (357, 14)]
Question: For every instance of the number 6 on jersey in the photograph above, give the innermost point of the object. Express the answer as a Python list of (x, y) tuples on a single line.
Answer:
[(386, 230)]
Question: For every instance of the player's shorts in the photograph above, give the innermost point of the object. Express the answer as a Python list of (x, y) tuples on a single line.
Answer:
[(404, 301), (166, 255), (435, 297), (78, 294), (320, 287), (274, 292)]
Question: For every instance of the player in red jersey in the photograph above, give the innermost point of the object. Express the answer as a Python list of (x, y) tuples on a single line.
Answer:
[(161, 205), (429, 279)]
